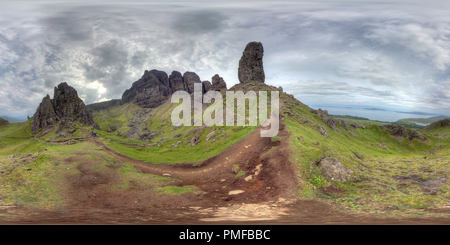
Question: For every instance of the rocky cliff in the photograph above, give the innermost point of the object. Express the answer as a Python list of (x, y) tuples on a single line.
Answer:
[(65, 107), (155, 87)]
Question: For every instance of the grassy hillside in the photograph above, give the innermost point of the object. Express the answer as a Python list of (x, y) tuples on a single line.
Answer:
[(373, 184)]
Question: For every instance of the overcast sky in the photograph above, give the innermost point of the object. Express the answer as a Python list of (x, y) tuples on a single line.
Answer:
[(339, 52)]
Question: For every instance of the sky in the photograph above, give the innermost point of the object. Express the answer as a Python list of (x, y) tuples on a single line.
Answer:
[(371, 54)]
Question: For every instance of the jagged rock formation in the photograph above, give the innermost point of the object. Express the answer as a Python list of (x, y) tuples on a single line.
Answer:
[(65, 108), (401, 131), (3, 122), (331, 122), (45, 115), (218, 84), (176, 81), (189, 79), (251, 64), (150, 91), (155, 87), (335, 169)]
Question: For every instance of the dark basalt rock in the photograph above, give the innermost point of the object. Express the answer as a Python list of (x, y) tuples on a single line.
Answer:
[(218, 84), (176, 81), (189, 79), (45, 116), (65, 107), (150, 91), (251, 64), (206, 86)]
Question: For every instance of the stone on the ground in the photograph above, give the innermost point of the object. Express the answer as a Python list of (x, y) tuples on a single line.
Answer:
[(235, 192), (335, 169)]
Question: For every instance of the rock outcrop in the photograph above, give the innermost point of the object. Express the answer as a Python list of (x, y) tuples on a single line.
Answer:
[(65, 107), (3, 122), (331, 122), (155, 87), (45, 116), (251, 64), (335, 169), (438, 124), (401, 131), (322, 130), (218, 84), (150, 91), (176, 81), (189, 79)]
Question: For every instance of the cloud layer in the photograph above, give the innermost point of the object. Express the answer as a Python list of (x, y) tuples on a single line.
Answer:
[(390, 55)]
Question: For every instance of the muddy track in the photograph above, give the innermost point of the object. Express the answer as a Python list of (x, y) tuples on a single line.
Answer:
[(271, 177)]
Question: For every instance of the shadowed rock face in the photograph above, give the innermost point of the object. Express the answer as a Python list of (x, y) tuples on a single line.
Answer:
[(176, 81), (206, 86), (150, 91), (251, 64), (189, 79), (65, 106), (218, 84), (155, 87)]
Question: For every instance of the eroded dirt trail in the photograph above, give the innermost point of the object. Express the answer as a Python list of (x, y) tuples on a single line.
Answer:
[(270, 177)]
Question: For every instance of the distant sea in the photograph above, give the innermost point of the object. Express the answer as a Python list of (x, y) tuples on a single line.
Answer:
[(374, 113)]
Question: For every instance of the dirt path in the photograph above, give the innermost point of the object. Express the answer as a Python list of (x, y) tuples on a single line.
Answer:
[(271, 176)]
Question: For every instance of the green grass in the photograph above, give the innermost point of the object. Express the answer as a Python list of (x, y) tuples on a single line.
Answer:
[(40, 178), (240, 174), (160, 149), (174, 190), (372, 185)]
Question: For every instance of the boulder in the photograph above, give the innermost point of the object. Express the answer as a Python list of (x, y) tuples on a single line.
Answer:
[(335, 169), (210, 135), (218, 84), (251, 64), (194, 140)]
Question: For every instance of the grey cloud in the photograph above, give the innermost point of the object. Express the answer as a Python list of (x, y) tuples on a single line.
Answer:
[(337, 88), (199, 22)]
